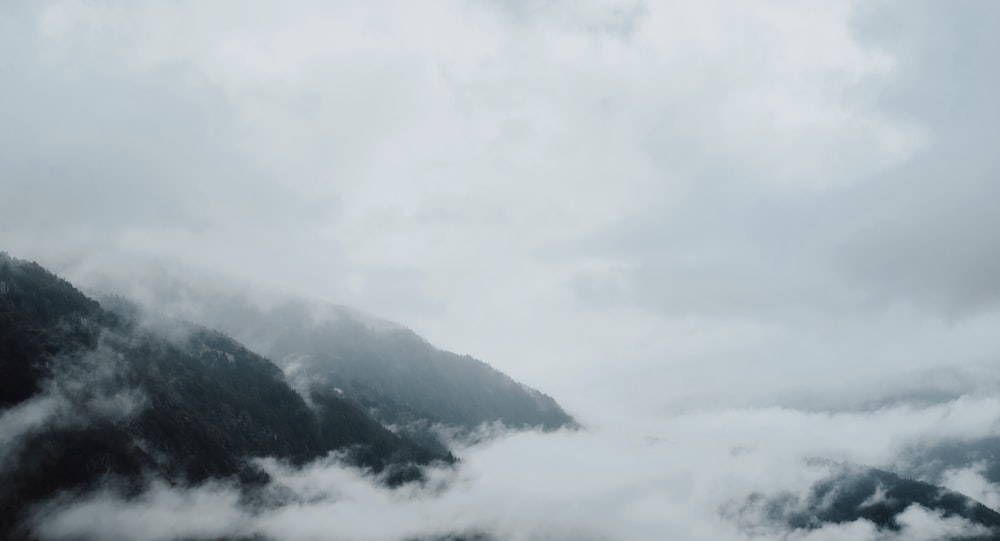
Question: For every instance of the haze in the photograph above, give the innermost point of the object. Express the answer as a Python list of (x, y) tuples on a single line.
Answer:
[(768, 226)]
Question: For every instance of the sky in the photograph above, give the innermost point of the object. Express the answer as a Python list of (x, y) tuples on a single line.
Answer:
[(655, 204), (777, 220)]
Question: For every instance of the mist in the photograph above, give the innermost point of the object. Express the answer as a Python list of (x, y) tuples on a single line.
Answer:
[(746, 247), (690, 477)]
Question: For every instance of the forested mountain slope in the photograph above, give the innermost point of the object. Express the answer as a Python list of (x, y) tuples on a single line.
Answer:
[(384, 368), (92, 396)]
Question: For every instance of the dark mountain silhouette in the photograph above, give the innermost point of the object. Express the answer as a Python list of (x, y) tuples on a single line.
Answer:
[(109, 394), (932, 461), (386, 369), (394, 373), (854, 493), (90, 395)]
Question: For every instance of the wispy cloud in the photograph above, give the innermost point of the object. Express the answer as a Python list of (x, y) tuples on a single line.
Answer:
[(627, 480), (83, 388), (770, 227)]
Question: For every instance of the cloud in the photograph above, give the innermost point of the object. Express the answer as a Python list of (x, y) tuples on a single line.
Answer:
[(971, 481), (351, 153), (631, 479), (760, 222), (160, 513), (24, 419), (82, 389)]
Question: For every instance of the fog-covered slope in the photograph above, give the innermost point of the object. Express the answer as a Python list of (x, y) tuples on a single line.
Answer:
[(393, 371), (852, 493), (92, 396), (110, 395), (330, 350)]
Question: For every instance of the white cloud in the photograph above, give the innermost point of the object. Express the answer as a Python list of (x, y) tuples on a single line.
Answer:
[(160, 513), (82, 388), (656, 208), (629, 479), (452, 148), (971, 482)]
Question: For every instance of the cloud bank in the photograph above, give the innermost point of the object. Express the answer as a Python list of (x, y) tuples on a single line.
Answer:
[(640, 479), (646, 175), (768, 229)]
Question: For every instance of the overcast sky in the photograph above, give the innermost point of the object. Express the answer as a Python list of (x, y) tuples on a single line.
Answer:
[(647, 206), (727, 236)]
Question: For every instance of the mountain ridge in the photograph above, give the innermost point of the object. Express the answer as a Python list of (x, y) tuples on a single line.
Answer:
[(90, 395), (383, 367), (93, 393)]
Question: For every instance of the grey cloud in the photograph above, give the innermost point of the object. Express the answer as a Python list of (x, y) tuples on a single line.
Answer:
[(917, 232), (82, 121), (313, 163), (839, 286), (630, 480), (619, 20), (922, 233), (773, 217), (160, 513), (22, 420), (84, 389)]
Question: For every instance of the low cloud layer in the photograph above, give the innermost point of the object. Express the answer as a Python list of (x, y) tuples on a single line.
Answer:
[(768, 229), (694, 476), (83, 388)]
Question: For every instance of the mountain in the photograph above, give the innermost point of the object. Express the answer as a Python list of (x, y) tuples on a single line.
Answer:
[(935, 460), (389, 370), (854, 493), (330, 351), (92, 396), (111, 394)]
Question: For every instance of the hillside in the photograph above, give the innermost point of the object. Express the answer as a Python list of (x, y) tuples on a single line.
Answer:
[(329, 350), (92, 396), (853, 493)]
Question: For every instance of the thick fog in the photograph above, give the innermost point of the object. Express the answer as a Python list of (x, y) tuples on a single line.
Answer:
[(686, 478), (745, 244)]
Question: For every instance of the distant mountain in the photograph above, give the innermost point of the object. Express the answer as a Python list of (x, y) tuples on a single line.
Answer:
[(389, 370), (91, 395), (330, 351), (854, 493), (116, 394), (935, 460)]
